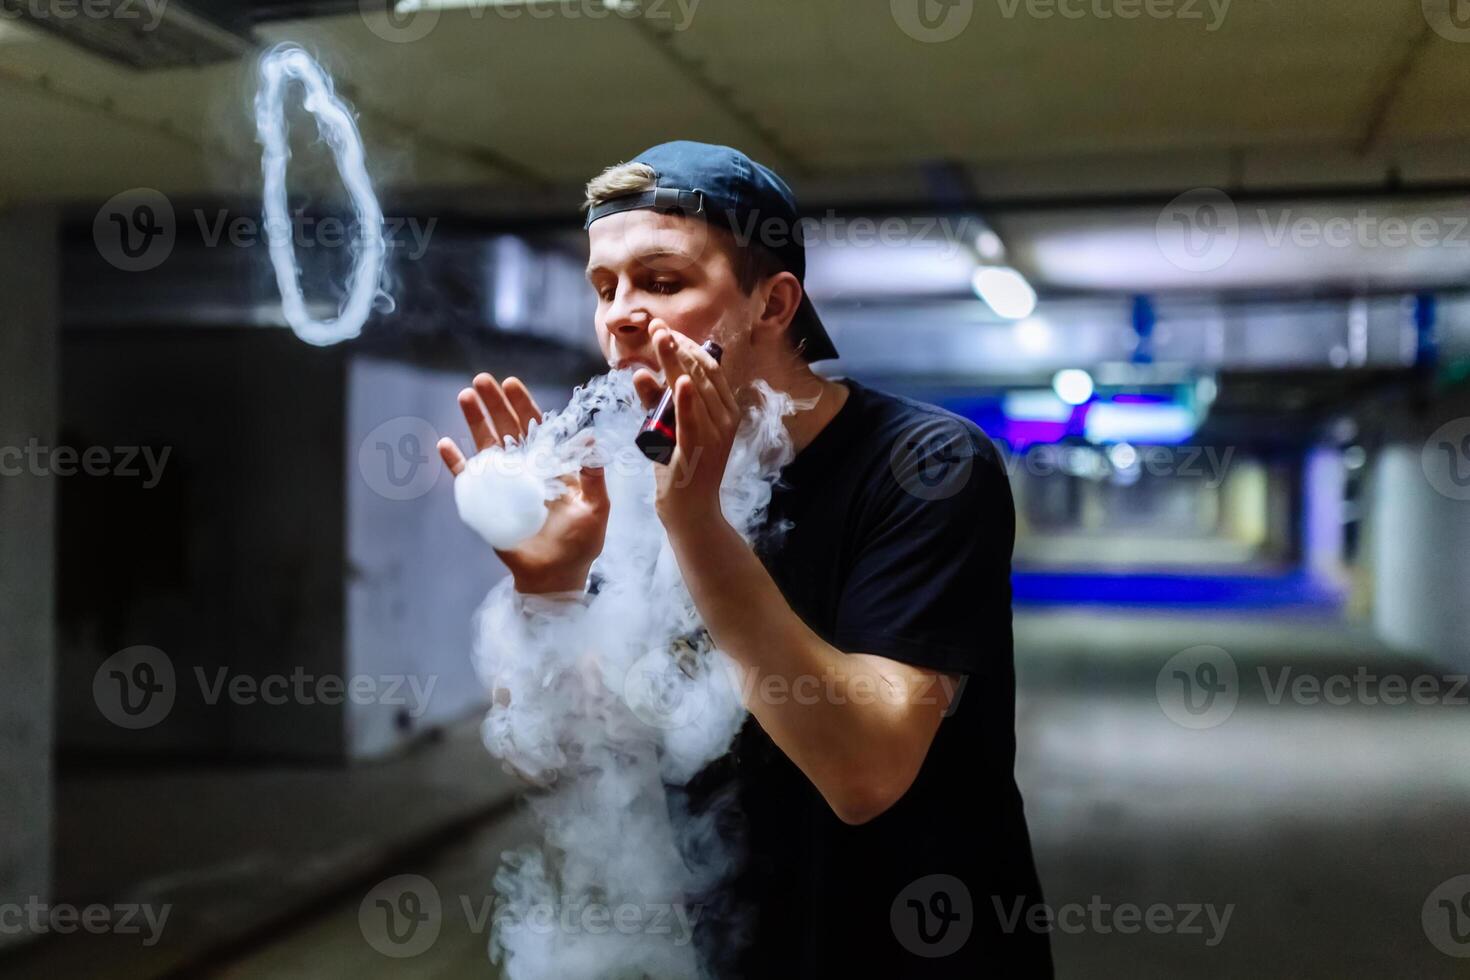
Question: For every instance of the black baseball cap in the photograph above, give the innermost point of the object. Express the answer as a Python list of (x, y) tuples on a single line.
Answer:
[(730, 190)]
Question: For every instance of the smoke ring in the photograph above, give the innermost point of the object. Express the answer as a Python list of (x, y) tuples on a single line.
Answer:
[(280, 66)]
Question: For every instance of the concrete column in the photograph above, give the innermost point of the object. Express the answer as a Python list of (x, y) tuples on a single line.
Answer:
[(1324, 492), (1419, 534), (28, 396)]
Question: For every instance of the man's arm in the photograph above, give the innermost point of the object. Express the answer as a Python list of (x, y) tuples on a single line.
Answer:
[(858, 726), (533, 613)]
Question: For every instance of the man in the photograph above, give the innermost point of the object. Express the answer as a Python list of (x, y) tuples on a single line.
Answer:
[(884, 831)]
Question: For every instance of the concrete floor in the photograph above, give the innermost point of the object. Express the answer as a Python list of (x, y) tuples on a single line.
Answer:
[(239, 855), (1323, 828), (337, 945), (1327, 827)]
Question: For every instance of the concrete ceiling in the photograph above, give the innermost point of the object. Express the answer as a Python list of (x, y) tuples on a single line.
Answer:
[(497, 110), (833, 92)]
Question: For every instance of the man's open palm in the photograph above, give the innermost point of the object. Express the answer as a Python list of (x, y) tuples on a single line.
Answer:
[(558, 557)]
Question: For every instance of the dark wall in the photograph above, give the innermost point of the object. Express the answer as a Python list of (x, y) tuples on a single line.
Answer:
[(232, 560)]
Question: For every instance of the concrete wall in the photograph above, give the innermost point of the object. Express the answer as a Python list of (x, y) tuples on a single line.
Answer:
[(28, 386), (231, 563)]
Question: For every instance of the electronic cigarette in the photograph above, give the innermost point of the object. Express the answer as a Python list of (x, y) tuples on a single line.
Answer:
[(656, 437)]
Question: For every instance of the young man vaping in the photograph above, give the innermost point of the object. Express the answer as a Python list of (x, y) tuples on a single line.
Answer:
[(885, 835)]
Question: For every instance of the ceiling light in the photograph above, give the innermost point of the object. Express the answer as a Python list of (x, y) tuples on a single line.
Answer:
[(1005, 291), (1073, 386), (1034, 336), (989, 245), (414, 6)]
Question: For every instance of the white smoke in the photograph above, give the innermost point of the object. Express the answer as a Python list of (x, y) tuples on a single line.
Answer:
[(607, 699), (280, 66), (500, 498)]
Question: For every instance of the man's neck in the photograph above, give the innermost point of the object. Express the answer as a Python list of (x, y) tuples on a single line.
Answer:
[(805, 385)]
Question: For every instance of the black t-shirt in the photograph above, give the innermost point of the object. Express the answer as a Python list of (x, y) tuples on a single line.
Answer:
[(900, 526)]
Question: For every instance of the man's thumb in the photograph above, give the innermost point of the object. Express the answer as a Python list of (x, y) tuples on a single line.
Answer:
[(645, 383)]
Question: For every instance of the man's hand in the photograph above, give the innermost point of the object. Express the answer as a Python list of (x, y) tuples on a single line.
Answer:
[(559, 556), (707, 418)]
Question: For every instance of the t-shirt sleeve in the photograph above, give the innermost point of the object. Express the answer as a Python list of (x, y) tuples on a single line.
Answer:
[(930, 577)]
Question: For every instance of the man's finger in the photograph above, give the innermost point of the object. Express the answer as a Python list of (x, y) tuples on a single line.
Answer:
[(453, 458), (666, 348), (474, 414), (648, 388), (695, 426), (722, 387), (594, 487), (501, 416), (702, 366), (521, 402), (704, 375)]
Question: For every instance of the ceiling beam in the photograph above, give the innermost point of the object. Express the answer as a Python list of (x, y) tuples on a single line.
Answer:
[(480, 156), (1393, 84), (42, 84)]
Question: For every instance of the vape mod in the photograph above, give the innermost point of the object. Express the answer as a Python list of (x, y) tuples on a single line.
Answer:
[(656, 437)]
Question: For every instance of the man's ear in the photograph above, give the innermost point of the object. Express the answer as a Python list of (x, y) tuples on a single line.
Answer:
[(781, 294)]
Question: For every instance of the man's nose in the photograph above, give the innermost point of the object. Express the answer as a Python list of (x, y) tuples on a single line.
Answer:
[(627, 321)]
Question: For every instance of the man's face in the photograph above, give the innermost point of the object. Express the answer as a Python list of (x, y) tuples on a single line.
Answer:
[(649, 265)]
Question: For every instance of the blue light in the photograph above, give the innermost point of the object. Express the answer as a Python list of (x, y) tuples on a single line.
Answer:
[(1157, 424)]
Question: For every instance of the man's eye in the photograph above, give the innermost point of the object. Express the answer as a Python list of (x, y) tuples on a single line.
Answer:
[(664, 286)]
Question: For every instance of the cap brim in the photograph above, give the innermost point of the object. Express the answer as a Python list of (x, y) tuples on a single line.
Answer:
[(811, 333)]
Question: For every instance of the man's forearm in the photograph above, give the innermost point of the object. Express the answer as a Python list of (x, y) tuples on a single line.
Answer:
[(848, 721)]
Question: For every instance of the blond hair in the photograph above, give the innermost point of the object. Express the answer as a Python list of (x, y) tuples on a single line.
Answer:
[(619, 180)]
